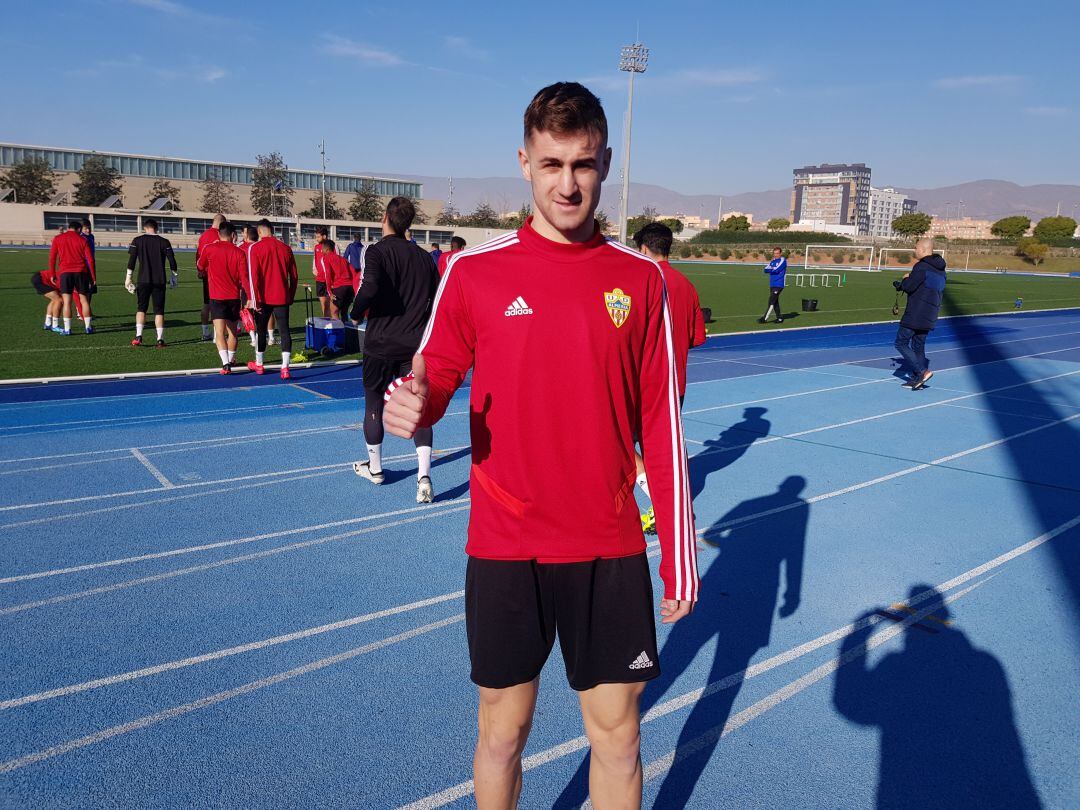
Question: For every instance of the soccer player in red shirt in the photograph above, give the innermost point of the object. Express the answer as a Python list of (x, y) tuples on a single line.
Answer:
[(46, 285), (225, 265), (457, 244), (687, 323), (270, 288), (318, 270), (71, 259), (340, 278), (207, 238), (556, 549)]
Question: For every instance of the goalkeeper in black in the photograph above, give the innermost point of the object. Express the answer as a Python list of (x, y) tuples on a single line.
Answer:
[(150, 253)]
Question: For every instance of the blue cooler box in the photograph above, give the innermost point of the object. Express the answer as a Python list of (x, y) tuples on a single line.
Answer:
[(325, 334)]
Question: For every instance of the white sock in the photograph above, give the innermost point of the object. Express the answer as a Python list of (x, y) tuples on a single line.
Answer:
[(259, 358), (160, 332), (285, 359), (67, 324), (138, 330), (87, 322), (270, 335), (48, 321), (374, 454), (423, 460), (254, 340), (206, 330), (224, 355), (231, 355), (643, 482)]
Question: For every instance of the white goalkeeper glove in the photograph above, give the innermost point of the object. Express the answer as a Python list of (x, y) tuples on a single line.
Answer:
[(128, 285), (172, 279)]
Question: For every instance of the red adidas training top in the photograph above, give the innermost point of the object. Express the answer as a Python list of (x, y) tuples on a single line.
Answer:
[(225, 266), (687, 319), (70, 253), (271, 277), (338, 272), (208, 237), (572, 356)]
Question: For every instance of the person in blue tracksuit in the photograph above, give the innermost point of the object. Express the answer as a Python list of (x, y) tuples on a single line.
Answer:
[(777, 271), (924, 286)]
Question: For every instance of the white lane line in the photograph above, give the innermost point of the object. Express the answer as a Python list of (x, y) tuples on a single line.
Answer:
[(563, 749), (217, 655), (194, 569), (154, 471), (659, 767), (211, 700), (158, 555), (196, 484), (999, 412), (66, 402)]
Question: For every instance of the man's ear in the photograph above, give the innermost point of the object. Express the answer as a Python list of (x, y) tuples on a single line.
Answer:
[(523, 161), (607, 164)]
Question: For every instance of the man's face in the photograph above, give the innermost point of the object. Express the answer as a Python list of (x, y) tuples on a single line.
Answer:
[(565, 172), (776, 254), (319, 238)]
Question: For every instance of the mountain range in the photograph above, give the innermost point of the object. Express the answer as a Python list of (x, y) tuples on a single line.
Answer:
[(981, 199)]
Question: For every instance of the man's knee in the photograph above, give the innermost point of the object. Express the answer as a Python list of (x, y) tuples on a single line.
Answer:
[(503, 739), (616, 747)]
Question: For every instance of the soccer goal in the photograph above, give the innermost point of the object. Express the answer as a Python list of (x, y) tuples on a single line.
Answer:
[(839, 257), (883, 256)]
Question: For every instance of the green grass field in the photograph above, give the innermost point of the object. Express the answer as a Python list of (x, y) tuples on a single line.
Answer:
[(736, 294)]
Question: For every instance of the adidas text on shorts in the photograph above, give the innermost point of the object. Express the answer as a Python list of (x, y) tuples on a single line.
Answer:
[(601, 611)]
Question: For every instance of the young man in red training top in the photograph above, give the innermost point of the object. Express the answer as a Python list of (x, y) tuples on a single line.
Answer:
[(71, 259), (558, 551), (207, 238), (340, 277), (457, 244), (270, 288), (687, 324), (318, 270), (225, 265)]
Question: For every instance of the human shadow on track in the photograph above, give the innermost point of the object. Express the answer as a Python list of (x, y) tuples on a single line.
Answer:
[(739, 594), (944, 710), (716, 456)]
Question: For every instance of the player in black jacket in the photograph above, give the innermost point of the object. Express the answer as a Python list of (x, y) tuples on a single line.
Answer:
[(150, 252), (399, 286)]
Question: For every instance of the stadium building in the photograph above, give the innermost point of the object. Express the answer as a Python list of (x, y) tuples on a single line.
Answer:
[(832, 194)]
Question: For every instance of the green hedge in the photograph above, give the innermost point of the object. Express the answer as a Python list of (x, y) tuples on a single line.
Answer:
[(800, 238)]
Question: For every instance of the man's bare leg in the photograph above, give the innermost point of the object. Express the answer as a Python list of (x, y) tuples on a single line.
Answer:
[(504, 721), (612, 716)]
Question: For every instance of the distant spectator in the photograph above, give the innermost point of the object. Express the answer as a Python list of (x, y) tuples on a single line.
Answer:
[(924, 286), (457, 244), (435, 253)]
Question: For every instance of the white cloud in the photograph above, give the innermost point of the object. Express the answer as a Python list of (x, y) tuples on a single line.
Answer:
[(964, 82), (464, 47), (723, 77), (212, 74), (1051, 111), (368, 54), (164, 6)]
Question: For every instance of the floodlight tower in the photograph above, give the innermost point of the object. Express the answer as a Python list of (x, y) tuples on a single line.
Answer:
[(633, 59)]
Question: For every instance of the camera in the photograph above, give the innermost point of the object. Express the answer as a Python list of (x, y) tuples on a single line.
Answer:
[(897, 285)]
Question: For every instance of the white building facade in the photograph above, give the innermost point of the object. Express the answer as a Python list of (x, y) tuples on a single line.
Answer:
[(886, 204)]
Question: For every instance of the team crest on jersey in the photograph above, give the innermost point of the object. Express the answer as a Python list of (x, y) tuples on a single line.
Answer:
[(618, 306)]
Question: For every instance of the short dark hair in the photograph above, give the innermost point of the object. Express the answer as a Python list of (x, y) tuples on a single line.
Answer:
[(86, 223), (435, 245), (777, 248), (564, 108), (328, 246), (251, 232), (74, 224), (657, 237), (457, 243), (264, 223), (358, 236), (400, 213), (322, 230), (150, 223), (227, 229)]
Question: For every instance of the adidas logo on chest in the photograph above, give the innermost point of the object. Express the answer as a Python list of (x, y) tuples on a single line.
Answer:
[(518, 307)]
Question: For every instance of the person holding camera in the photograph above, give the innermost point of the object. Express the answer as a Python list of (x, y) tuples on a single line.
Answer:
[(924, 286)]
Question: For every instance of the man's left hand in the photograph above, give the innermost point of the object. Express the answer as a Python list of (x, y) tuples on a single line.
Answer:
[(671, 610)]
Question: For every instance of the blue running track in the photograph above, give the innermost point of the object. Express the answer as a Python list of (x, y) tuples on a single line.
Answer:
[(202, 606)]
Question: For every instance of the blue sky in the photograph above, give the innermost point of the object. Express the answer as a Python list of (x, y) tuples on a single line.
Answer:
[(736, 95)]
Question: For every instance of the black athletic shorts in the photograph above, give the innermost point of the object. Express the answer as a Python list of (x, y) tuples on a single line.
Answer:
[(205, 290), (320, 289), (343, 299), (601, 611), (145, 292), (225, 310), (39, 285), (379, 373), (74, 283)]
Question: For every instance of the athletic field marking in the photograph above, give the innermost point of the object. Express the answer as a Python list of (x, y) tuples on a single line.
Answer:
[(195, 569), (226, 543), (308, 390), (55, 403), (554, 753), (202, 703), (1001, 413), (213, 482), (217, 655), (154, 471)]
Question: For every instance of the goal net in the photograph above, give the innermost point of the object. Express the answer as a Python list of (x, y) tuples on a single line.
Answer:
[(839, 257), (899, 258)]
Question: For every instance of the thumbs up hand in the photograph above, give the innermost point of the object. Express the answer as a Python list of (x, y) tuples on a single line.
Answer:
[(405, 401)]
